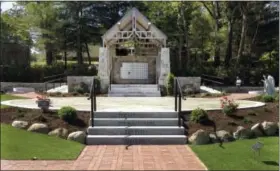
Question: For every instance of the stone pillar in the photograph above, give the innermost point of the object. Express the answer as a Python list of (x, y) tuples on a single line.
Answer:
[(164, 65), (103, 70)]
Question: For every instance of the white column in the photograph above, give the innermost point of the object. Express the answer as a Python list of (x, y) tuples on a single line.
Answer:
[(103, 68), (164, 65)]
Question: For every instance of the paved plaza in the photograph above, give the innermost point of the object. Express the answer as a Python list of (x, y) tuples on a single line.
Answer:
[(140, 104)]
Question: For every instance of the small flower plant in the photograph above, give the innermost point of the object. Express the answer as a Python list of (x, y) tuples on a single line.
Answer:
[(43, 102), (228, 106)]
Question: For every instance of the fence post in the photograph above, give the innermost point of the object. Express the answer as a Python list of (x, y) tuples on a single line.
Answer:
[(180, 109)]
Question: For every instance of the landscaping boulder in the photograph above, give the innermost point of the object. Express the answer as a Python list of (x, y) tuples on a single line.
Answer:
[(199, 137), (224, 136), (78, 136), (242, 133), (59, 132), (270, 128), (257, 130), (20, 124), (39, 128), (213, 138)]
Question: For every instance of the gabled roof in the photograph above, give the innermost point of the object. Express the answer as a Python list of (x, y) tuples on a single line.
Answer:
[(126, 24)]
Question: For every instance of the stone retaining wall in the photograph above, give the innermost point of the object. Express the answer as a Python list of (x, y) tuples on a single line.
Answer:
[(74, 81), (192, 83), (8, 86)]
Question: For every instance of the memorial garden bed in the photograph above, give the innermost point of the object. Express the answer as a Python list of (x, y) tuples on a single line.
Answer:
[(243, 117), (51, 119)]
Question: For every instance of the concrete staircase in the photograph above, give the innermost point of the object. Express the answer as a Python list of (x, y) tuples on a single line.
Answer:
[(134, 90), (130, 128)]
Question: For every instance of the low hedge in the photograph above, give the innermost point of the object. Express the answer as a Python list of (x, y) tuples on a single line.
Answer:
[(36, 73)]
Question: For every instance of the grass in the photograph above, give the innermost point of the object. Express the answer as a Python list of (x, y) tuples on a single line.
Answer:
[(17, 144), (239, 155), (4, 97)]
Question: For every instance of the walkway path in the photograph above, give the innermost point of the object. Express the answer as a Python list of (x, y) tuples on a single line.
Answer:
[(102, 157)]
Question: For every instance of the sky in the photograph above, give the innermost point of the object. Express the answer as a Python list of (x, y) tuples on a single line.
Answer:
[(6, 5)]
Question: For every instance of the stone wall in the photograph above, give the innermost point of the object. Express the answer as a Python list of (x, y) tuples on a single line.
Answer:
[(74, 81), (117, 62), (192, 83), (8, 86)]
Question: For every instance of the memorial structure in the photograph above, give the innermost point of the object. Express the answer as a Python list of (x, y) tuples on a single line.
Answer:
[(134, 54)]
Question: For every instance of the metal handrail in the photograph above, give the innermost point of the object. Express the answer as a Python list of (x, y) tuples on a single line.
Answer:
[(92, 98), (60, 77), (178, 94)]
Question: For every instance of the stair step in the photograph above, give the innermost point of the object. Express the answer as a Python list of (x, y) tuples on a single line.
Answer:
[(136, 130), (135, 139), (135, 122), (134, 85), (135, 114), (134, 94)]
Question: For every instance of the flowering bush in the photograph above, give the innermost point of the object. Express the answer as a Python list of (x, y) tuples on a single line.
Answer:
[(43, 102), (228, 106)]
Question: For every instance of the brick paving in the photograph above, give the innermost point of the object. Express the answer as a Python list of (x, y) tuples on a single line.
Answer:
[(117, 157)]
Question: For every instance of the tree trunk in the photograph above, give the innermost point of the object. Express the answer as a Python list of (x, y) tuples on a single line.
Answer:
[(180, 54), (49, 54), (217, 28), (89, 58), (243, 36), (79, 48), (185, 31), (229, 44)]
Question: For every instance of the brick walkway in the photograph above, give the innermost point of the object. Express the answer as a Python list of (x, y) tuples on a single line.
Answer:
[(102, 157)]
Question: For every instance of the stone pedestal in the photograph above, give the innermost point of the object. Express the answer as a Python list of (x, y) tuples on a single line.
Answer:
[(103, 69), (164, 65)]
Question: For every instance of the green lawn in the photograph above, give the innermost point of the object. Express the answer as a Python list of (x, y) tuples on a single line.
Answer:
[(5, 97), (239, 155), (17, 144)]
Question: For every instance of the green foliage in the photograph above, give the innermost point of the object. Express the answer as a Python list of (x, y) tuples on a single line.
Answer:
[(36, 73), (267, 98), (199, 115), (170, 84), (82, 88), (229, 107), (67, 113), (247, 120)]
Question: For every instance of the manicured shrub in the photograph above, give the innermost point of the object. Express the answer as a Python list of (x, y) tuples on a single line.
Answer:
[(36, 73), (199, 115), (67, 113), (229, 107), (268, 98), (170, 84)]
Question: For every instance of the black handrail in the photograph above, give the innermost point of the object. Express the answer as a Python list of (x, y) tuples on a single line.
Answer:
[(92, 98), (53, 79), (212, 79), (178, 94)]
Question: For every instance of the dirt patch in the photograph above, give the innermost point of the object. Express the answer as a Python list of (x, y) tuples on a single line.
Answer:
[(243, 117), (51, 119)]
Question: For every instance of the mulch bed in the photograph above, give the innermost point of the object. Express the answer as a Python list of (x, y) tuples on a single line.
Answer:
[(243, 117), (51, 119)]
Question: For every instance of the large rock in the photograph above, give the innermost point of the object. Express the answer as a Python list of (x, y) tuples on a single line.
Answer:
[(199, 137), (242, 133), (270, 128), (224, 136), (257, 130), (78, 136), (20, 124), (59, 132), (39, 128), (214, 138)]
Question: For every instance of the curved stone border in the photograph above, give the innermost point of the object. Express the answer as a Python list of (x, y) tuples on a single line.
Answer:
[(128, 106)]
